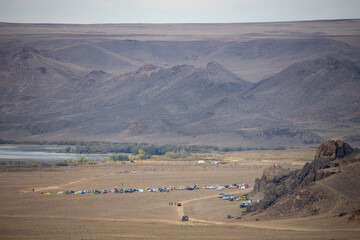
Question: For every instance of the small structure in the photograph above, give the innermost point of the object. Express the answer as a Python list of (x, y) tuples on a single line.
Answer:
[(185, 218)]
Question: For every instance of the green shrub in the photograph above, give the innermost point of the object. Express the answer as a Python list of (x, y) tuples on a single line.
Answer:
[(62, 163), (82, 159), (119, 157), (142, 155)]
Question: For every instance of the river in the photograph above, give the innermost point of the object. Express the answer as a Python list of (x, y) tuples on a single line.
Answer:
[(40, 153)]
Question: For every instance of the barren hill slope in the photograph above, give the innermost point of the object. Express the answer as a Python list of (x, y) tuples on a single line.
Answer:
[(28, 72), (325, 88), (37, 91), (154, 99), (181, 83), (328, 186), (184, 101), (159, 100), (252, 60)]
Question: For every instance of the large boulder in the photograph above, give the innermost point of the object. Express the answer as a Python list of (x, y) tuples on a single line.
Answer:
[(328, 155), (332, 150)]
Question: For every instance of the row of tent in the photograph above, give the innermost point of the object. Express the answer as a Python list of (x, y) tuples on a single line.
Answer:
[(158, 189)]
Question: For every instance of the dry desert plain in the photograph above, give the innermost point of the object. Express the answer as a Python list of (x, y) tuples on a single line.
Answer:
[(26, 214)]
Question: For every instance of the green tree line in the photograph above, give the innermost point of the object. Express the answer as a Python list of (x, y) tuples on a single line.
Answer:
[(82, 147)]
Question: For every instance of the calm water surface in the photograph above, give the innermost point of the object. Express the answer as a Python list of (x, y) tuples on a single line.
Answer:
[(40, 153)]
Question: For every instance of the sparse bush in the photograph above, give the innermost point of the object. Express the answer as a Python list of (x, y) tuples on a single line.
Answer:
[(18, 162), (63, 163), (82, 159), (119, 157), (142, 155), (176, 155), (280, 148)]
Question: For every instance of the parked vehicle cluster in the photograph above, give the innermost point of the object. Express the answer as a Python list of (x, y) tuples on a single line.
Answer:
[(245, 203), (156, 189), (228, 197)]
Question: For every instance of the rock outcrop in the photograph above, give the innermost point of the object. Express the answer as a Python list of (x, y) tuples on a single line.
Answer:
[(270, 178), (277, 183), (333, 149), (329, 155), (355, 216)]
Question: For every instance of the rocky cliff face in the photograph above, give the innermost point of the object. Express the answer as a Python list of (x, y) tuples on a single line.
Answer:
[(329, 155), (333, 149), (277, 183)]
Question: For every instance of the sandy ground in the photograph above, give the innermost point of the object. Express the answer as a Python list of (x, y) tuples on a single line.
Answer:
[(26, 214)]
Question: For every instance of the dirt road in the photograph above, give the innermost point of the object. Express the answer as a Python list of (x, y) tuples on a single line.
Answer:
[(29, 215)]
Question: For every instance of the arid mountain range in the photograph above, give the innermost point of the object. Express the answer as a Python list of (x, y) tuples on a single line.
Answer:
[(257, 89)]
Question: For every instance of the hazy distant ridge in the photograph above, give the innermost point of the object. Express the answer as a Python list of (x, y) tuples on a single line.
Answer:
[(180, 91)]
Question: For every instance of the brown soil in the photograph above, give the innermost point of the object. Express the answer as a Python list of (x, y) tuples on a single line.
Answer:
[(26, 214)]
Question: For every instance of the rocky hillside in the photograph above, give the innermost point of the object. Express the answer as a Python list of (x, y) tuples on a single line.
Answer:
[(318, 188), (251, 92), (252, 60), (315, 87), (183, 102)]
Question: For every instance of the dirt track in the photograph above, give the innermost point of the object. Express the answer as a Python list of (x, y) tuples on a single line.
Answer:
[(29, 215), (261, 225)]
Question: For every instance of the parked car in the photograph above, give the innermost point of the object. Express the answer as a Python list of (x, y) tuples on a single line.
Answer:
[(130, 190), (221, 195), (179, 204), (245, 203)]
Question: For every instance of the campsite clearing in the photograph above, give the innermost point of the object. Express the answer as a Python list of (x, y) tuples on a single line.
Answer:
[(26, 214)]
